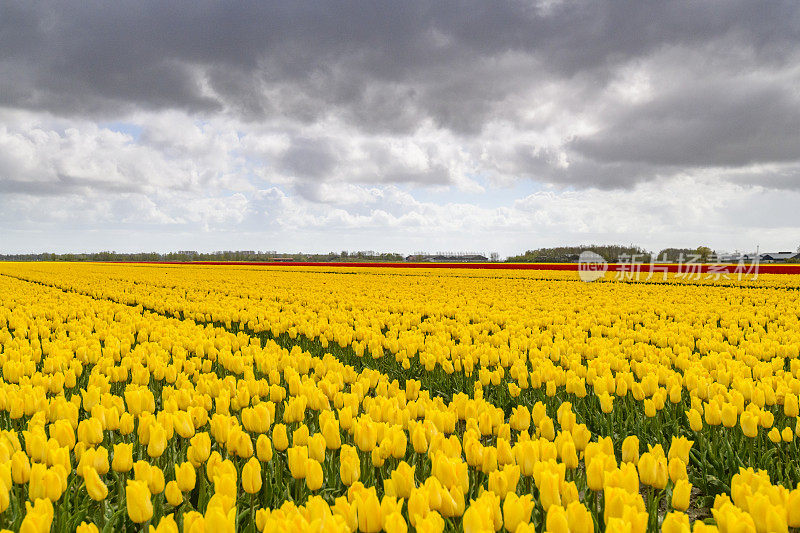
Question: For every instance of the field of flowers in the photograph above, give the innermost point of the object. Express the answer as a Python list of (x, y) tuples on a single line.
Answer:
[(279, 398)]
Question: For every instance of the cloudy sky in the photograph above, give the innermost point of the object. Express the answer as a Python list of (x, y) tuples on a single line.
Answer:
[(441, 126)]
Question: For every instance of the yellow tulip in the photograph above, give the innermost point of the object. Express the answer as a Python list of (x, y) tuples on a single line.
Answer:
[(790, 405), (251, 476), (123, 457), (675, 523), (749, 423), (85, 527), (20, 468), (630, 449), (579, 518), (517, 510), (199, 449), (677, 469), (166, 525), (279, 438), (681, 494), (369, 512), (402, 480), (332, 435), (185, 476), (549, 493), (158, 440), (606, 403), (695, 421), (137, 498), (173, 494), (595, 473), (5, 497), (314, 478), (679, 447), (793, 508), (729, 415), (569, 455), (94, 485)]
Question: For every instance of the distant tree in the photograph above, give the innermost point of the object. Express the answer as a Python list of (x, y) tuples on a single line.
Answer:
[(570, 254), (704, 252)]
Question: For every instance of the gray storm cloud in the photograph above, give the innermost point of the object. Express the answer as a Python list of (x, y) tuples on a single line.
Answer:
[(394, 66)]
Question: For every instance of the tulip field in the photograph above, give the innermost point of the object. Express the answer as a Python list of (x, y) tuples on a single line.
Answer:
[(139, 397)]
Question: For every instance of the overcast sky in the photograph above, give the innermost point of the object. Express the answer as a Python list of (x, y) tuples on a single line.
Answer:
[(441, 126)]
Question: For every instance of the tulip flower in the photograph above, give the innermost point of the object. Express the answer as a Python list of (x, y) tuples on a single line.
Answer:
[(630, 449), (314, 478), (675, 523), (549, 489), (5, 498), (173, 494), (158, 440), (579, 519), (679, 448), (20, 468), (517, 510), (94, 485), (251, 476), (279, 437), (137, 498), (185, 476), (369, 513), (681, 493), (557, 521), (123, 457)]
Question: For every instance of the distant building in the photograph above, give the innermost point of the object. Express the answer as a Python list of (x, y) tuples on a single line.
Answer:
[(735, 257), (447, 258), (778, 257)]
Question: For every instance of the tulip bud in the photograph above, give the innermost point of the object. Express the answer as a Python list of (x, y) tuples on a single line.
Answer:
[(549, 493), (137, 499), (793, 508), (606, 403), (264, 449), (729, 415), (569, 456), (173, 494), (123, 457), (595, 473), (369, 512), (579, 518), (675, 523), (681, 493), (314, 477), (695, 421), (279, 437), (185, 476), (251, 476), (630, 449), (94, 485), (20, 468), (677, 469), (517, 510)]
